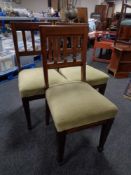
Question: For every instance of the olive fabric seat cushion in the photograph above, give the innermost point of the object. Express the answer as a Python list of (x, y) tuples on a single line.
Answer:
[(31, 81), (77, 104), (93, 76)]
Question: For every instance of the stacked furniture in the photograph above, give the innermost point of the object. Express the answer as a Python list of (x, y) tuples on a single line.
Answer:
[(120, 63)]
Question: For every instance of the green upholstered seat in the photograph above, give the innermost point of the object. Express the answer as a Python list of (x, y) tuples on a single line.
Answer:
[(31, 81), (93, 76), (77, 104), (126, 22)]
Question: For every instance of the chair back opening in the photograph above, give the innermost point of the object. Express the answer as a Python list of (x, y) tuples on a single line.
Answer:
[(26, 39)]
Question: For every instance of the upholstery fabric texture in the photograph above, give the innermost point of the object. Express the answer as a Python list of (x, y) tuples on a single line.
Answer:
[(77, 104), (31, 81), (93, 76)]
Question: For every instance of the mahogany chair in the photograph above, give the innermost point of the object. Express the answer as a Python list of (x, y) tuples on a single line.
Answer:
[(30, 81), (75, 105)]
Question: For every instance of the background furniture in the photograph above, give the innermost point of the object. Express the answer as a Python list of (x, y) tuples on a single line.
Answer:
[(110, 12), (124, 25), (7, 57), (106, 12), (82, 14), (120, 63), (102, 11)]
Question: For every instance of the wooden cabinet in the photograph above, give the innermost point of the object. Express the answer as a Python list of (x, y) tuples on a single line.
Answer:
[(120, 63), (102, 10), (82, 14)]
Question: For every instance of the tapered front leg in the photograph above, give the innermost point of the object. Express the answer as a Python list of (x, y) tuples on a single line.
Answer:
[(102, 89), (27, 112), (104, 133), (47, 116), (61, 138)]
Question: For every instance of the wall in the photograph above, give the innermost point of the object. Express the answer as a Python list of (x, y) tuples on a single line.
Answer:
[(42, 5), (118, 6), (35, 5), (39, 5)]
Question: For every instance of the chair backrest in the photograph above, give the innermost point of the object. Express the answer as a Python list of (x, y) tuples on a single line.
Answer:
[(25, 41), (66, 45)]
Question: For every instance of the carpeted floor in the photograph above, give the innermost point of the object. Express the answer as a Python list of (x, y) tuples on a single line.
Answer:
[(24, 152)]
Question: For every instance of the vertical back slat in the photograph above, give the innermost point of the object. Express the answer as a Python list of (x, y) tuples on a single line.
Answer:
[(83, 43), (49, 47), (59, 49), (65, 49), (33, 40), (55, 47), (24, 40), (74, 45)]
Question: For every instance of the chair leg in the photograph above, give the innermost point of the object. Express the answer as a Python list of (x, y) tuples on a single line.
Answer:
[(94, 54), (100, 54), (102, 89), (104, 133), (61, 138), (47, 115), (27, 112)]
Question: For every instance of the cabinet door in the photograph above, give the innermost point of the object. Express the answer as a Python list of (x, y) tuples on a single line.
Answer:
[(102, 10)]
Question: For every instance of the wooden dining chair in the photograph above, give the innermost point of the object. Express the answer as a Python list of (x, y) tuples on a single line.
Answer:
[(75, 105), (30, 81), (96, 78)]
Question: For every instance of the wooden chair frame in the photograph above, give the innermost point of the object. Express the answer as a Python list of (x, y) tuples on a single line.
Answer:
[(49, 34), (23, 27)]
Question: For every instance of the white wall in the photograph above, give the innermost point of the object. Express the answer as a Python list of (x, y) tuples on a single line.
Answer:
[(39, 5), (35, 5), (42, 5)]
